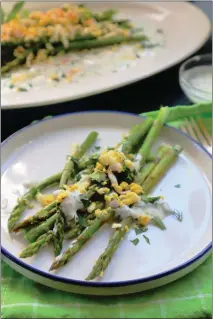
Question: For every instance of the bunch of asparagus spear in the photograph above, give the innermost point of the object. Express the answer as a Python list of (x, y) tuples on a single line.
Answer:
[(82, 39), (50, 225)]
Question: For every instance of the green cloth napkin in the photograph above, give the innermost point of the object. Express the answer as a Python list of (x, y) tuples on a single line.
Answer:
[(188, 297)]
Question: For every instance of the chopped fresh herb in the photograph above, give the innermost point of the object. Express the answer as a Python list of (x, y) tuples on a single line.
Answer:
[(178, 215), (177, 186), (159, 31), (82, 220), (148, 199), (149, 45), (158, 222), (146, 239), (135, 241), (128, 175), (11, 86), (22, 90), (85, 200), (63, 75), (97, 148), (140, 229), (98, 177)]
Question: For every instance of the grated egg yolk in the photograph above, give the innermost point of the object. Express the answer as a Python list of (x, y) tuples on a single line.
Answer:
[(99, 166), (72, 188), (136, 188), (124, 186), (126, 228), (108, 158), (45, 200), (129, 164), (129, 198), (144, 220), (61, 196)]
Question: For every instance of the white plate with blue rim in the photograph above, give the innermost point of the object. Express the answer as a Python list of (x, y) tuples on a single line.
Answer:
[(107, 69), (39, 150)]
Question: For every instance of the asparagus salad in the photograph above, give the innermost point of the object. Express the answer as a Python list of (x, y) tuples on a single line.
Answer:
[(36, 45), (110, 185)]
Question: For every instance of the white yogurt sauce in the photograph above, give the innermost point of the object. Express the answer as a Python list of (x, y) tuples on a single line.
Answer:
[(71, 204), (200, 80), (137, 161), (160, 210)]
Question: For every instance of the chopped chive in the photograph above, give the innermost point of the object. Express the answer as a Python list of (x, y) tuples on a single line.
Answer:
[(178, 215), (159, 31), (139, 230), (22, 90), (177, 186), (146, 239), (135, 241), (158, 222)]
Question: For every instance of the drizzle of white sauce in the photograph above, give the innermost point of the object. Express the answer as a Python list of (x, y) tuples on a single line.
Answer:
[(71, 204), (160, 210), (137, 161)]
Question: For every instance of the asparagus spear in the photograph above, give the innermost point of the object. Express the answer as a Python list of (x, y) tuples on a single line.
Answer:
[(2, 15), (15, 10), (24, 201), (153, 133), (81, 240), (113, 244), (41, 215), (79, 45), (104, 16), (59, 235), (105, 41), (136, 135), (68, 169), (148, 167), (74, 232), (40, 229), (160, 169), (33, 248)]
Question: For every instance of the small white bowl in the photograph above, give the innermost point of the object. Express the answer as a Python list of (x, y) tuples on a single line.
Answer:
[(195, 78)]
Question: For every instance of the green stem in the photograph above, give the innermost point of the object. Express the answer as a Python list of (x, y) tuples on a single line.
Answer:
[(161, 168), (33, 248), (41, 215), (36, 231), (24, 201), (114, 241), (148, 167), (69, 167), (59, 234), (136, 135), (81, 240), (153, 134)]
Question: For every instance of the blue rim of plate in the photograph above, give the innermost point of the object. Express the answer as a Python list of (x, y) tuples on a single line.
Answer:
[(82, 283)]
